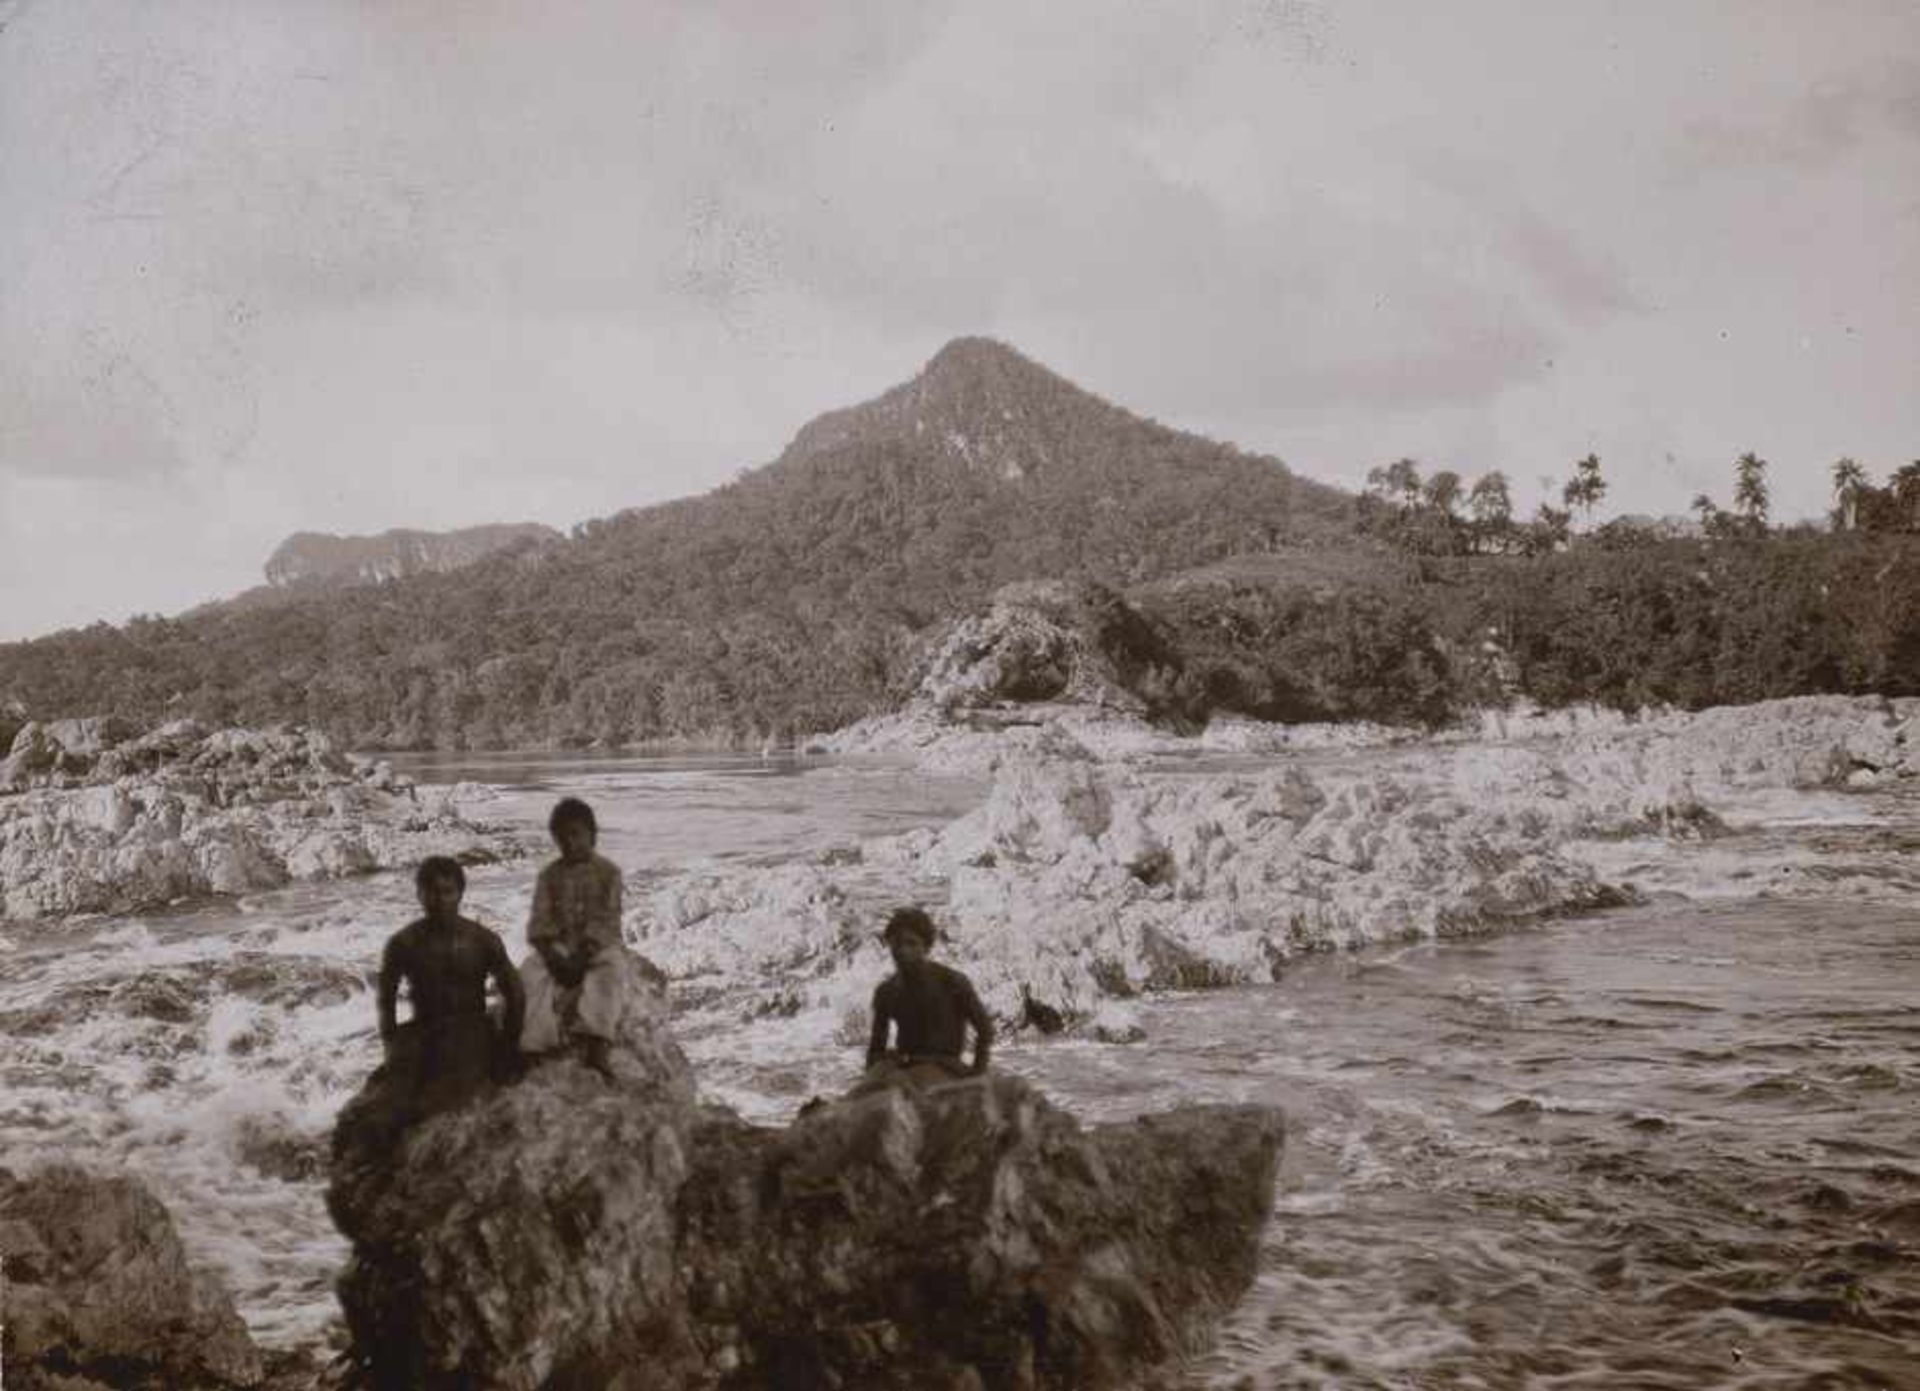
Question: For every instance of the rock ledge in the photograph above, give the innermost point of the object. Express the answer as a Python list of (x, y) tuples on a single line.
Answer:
[(102, 822)]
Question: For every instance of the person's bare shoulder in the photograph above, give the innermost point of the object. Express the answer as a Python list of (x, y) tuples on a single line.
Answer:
[(954, 978), (402, 946), (479, 931)]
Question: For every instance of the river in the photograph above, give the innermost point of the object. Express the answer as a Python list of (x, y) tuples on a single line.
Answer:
[(1670, 1146)]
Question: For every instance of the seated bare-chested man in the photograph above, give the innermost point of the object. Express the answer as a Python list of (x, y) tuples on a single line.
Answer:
[(448, 1052), (924, 1009)]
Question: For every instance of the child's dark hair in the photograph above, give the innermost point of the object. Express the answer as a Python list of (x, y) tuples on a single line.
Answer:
[(911, 920), (440, 867), (572, 809)]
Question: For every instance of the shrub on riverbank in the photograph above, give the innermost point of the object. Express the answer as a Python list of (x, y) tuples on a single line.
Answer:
[(1667, 622)]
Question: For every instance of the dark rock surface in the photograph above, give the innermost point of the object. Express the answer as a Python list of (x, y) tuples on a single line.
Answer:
[(99, 1294), (972, 1234), (566, 1233)]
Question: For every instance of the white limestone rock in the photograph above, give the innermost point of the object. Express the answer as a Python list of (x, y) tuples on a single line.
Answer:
[(183, 811), (1081, 879)]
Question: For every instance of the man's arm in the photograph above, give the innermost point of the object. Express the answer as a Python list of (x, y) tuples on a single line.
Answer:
[(388, 994), (882, 1021), (976, 1015), (512, 992)]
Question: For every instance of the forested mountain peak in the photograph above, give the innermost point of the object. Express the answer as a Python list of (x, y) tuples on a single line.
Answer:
[(979, 403), (794, 597)]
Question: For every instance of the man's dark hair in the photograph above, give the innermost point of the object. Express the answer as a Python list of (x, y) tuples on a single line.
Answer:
[(440, 867), (571, 809), (912, 920)]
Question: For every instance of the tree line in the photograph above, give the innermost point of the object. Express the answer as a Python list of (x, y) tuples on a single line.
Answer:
[(1440, 515), (1687, 622), (801, 597), (1892, 508), (793, 599)]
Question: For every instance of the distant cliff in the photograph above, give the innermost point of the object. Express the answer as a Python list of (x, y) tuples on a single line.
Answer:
[(311, 557)]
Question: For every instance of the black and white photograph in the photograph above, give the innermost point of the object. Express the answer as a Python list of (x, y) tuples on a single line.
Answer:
[(899, 695)]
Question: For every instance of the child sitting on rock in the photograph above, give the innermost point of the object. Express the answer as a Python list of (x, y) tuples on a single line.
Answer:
[(928, 1007), (448, 1052), (573, 977)]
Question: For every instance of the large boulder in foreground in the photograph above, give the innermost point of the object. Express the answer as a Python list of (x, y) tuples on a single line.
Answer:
[(98, 1292), (970, 1235), (501, 1244), (567, 1232)]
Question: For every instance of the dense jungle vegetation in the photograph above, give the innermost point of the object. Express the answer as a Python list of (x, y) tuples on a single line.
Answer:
[(1669, 622), (803, 594), (792, 599), (1465, 605)]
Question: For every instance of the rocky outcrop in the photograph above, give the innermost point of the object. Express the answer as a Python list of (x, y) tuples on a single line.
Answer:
[(1049, 668), (1077, 881), (313, 559), (565, 1232), (102, 823), (1082, 878), (1050, 641), (98, 1292), (973, 1235), (59, 753), (1801, 743)]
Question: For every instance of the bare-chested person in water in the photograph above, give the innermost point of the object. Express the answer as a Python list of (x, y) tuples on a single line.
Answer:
[(926, 1009)]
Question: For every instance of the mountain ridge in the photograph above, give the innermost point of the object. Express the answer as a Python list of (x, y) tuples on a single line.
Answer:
[(319, 557), (795, 597)]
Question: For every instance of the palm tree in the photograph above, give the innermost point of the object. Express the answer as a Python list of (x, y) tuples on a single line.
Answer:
[(1750, 491), (1399, 480), (1432, 525), (1443, 491), (1549, 529), (1849, 481), (1492, 508), (1715, 524), (1905, 487), (1585, 489)]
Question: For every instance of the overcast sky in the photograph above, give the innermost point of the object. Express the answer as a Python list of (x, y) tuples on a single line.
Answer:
[(344, 265)]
